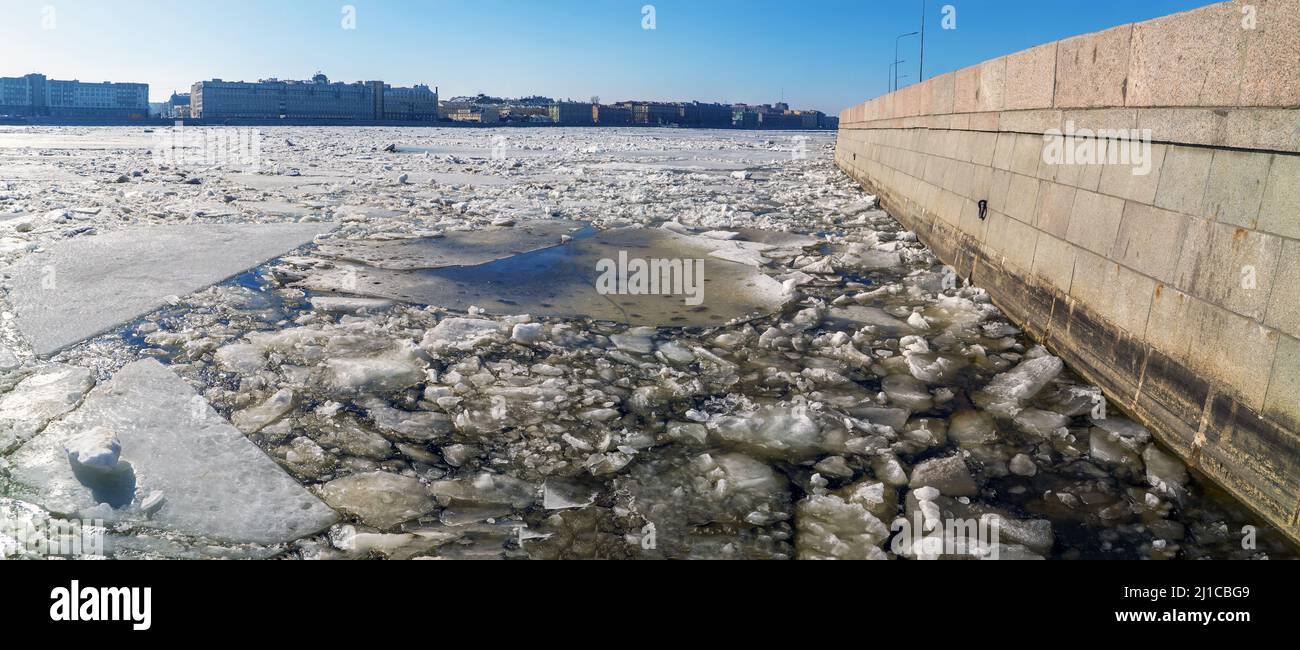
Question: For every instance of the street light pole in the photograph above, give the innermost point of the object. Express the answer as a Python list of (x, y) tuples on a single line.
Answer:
[(896, 61), (896, 75), (920, 72)]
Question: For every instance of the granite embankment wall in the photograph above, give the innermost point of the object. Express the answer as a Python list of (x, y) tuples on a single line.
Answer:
[(1176, 290)]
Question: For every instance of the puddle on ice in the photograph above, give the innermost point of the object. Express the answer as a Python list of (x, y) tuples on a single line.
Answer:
[(454, 248), (557, 281)]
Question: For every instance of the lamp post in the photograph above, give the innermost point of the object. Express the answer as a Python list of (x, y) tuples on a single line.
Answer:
[(920, 72), (896, 61), (894, 70)]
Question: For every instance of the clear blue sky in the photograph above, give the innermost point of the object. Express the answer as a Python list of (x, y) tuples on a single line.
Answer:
[(823, 54)]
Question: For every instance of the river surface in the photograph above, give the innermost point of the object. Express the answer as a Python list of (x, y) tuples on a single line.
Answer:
[(441, 370)]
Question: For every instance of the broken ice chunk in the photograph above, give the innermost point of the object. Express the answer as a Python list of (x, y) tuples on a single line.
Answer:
[(829, 528), (218, 484), (702, 502), (972, 428), (97, 448), (637, 339), (115, 277), (1165, 472), (460, 334), (526, 333), (1007, 393), (1039, 422), (772, 431), (907, 392), (949, 475), (385, 373), (379, 499), (879, 499), (561, 494), (255, 418), (45, 394), (346, 305), (1114, 449), (483, 497)]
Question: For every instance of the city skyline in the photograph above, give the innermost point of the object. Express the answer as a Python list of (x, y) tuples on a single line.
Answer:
[(823, 56)]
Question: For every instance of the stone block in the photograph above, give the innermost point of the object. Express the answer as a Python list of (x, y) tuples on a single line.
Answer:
[(966, 90), (1284, 304), (949, 207), (1280, 211), (1094, 221), (1234, 351), (1150, 240), (1030, 121), (1235, 189), (1184, 125), (992, 85), (1276, 129), (1096, 119), (1018, 248), (1092, 69), (984, 121), (1183, 177), (998, 187), (923, 92), (1030, 78), (1131, 305), (1133, 170), (1003, 149), (995, 232), (1193, 58), (983, 146), (1274, 77), (1022, 198), (1229, 266), (1167, 329), (1280, 401), (1028, 154), (1118, 294), (970, 221), (941, 94), (1054, 261), (1055, 202), (935, 169)]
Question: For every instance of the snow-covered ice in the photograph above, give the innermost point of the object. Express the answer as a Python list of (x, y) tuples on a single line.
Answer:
[(217, 483), (87, 285)]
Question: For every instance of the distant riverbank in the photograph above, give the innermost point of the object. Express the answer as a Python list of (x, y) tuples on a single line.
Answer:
[(48, 121)]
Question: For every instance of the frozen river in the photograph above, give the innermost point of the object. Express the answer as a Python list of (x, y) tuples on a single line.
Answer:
[(382, 342)]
